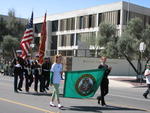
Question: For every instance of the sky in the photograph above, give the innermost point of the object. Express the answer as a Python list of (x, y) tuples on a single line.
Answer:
[(23, 8)]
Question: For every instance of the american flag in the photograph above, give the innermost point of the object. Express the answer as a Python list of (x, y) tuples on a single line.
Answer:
[(27, 38)]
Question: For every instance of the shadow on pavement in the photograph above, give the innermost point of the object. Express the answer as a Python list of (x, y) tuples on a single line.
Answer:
[(36, 94), (98, 109)]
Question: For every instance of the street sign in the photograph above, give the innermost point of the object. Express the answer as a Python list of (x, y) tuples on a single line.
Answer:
[(142, 47)]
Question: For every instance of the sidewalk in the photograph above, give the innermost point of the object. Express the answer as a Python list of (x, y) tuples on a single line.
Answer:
[(114, 81), (125, 81)]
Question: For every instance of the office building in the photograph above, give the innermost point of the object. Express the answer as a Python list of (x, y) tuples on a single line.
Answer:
[(67, 32)]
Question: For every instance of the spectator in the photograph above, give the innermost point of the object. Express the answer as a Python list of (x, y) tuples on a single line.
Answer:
[(147, 75)]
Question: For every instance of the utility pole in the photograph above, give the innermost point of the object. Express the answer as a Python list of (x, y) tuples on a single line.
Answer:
[(128, 16), (142, 48)]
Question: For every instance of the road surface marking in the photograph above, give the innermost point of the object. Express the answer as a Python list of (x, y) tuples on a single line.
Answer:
[(131, 98), (25, 105), (126, 106), (130, 107)]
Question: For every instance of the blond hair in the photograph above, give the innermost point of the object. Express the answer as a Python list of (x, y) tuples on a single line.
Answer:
[(57, 56)]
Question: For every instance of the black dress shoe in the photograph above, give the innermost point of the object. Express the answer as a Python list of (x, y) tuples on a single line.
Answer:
[(145, 96), (99, 99), (103, 104), (98, 102), (16, 91), (27, 90), (41, 91)]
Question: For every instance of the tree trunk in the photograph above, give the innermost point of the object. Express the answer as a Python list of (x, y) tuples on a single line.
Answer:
[(130, 63)]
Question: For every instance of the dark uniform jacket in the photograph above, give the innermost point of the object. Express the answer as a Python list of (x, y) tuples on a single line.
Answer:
[(46, 66), (105, 80)]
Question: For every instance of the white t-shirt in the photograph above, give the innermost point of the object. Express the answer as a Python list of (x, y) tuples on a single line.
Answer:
[(56, 68), (147, 71), (17, 65)]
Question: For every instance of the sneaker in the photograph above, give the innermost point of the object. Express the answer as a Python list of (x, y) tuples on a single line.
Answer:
[(60, 106), (51, 104), (45, 91), (19, 89), (47, 88)]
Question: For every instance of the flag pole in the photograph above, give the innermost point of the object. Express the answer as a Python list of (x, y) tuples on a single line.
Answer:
[(14, 52), (31, 51), (31, 48)]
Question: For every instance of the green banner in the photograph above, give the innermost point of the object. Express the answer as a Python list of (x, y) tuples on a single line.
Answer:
[(82, 84)]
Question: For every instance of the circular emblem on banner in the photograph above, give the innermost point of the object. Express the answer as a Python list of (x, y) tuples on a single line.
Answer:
[(85, 84)]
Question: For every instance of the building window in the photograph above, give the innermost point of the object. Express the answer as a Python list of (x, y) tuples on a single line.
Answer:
[(111, 17), (37, 27), (90, 21), (66, 52), (94, 20), (86, 21), (72, 40), (118, 18), (81, 22), (129, 15), (77, 39), (67, 40), (63, 25), (36, 42), (99, 18), (54, 26), (125, 17), (67, 24), (72, 23), (88, 37), (61, 40), (54, 42)]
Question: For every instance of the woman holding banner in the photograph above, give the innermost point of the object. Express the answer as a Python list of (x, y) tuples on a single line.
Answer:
[(56, 77)]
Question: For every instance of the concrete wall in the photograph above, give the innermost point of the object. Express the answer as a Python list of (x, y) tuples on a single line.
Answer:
[(120, 67)]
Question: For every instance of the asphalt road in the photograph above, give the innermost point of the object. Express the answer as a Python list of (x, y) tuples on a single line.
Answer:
[(120, 100)]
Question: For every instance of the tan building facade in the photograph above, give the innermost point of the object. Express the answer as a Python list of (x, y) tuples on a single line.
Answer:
[(66, 32)]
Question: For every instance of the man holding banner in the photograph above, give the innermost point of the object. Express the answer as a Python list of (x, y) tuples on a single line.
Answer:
[(82, 84), (104, 84)]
